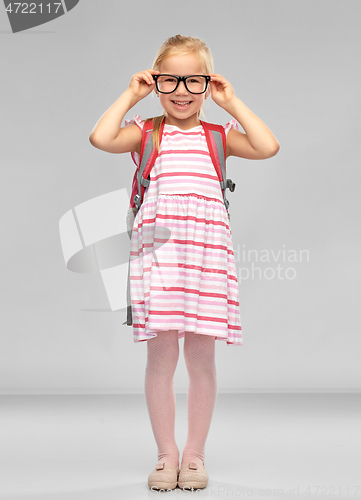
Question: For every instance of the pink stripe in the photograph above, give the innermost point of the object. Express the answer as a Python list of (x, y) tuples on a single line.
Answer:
[(194, 291), (183, 133), (189, 266), (138, 291), (165, 198), (185, 153), (203, 301), (187, 174), (188, 218), (187, 315)]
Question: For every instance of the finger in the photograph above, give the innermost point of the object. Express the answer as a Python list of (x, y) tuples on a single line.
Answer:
[(217, 78), (147, 77), (215, 85), (150, 73)]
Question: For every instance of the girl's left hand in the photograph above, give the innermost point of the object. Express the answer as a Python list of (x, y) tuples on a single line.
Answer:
[(221, 90)]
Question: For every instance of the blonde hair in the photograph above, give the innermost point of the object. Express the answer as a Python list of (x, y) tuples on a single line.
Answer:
[(179, 45)]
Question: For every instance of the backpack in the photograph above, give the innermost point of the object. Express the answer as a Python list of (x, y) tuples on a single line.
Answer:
[(216, 142)]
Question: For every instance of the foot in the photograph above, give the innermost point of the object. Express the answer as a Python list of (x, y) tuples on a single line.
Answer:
[(191, 476), (164, 476)]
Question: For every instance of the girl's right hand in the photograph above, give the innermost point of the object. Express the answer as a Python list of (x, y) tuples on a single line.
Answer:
[(142, 83)]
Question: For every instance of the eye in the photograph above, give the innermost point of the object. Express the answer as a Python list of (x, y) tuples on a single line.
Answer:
[(170, 79)]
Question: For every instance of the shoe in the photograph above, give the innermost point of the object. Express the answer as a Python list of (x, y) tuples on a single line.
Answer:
[(164, 476), (192, 476)]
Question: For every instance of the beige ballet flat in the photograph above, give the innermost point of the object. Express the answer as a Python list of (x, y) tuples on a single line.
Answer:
[(163, 477), (192, 476)]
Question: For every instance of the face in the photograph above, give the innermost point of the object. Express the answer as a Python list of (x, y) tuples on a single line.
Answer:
[(181, 106)]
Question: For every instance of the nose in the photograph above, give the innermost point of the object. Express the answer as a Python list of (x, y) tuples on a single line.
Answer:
[(181, 89)]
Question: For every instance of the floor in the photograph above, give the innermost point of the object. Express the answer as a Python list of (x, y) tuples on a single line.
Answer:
[(101, 447)]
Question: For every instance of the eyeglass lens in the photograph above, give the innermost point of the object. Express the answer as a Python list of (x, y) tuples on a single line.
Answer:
[(194, 84)]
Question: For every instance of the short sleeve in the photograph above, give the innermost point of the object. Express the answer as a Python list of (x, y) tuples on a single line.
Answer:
[(138, 121), (232, 124)]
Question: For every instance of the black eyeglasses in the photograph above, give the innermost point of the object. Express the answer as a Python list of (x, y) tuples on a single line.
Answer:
[(195, 84)]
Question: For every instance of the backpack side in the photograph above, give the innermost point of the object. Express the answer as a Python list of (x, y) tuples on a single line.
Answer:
[(147, 158), (141, 180), (216, 142)]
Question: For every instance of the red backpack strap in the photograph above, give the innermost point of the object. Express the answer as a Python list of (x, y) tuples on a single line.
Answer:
[(216, 142), (154, 152), (147, 127), (147, 157), (146, 135), (213, 151)]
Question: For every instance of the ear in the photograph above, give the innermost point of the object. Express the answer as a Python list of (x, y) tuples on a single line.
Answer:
[(208, 91)]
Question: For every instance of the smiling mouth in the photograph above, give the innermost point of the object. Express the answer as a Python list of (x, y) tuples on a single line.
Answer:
[(182, 103)]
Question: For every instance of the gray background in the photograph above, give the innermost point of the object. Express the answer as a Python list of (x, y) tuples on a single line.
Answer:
[(296, 66)]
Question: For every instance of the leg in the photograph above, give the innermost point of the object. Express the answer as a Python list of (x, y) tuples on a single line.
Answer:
[(162, 359), (199, 356)]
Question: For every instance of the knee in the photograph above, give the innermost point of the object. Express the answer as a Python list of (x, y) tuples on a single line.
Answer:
[(199, 356), (163, 353)]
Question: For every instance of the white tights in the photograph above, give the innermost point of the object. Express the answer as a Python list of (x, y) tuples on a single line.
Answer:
[(162, 359)]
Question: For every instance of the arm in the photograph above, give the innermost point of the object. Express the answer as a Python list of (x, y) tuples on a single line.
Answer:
[(258, 142), (108, 135)]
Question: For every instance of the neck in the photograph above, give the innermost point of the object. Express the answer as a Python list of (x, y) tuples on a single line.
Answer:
[(187, 123)]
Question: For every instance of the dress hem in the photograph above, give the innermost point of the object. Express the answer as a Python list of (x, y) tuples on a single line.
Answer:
[(182, 334)]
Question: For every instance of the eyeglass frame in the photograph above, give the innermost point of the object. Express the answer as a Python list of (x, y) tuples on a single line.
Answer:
[(181, 79)]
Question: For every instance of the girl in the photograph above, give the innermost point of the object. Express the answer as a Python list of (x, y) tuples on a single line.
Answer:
[(189, 289)]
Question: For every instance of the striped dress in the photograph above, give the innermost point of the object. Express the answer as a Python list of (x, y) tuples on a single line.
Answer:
[(182, 267)]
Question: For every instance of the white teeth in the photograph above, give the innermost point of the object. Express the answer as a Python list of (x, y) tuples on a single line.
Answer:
[(182, 103)]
